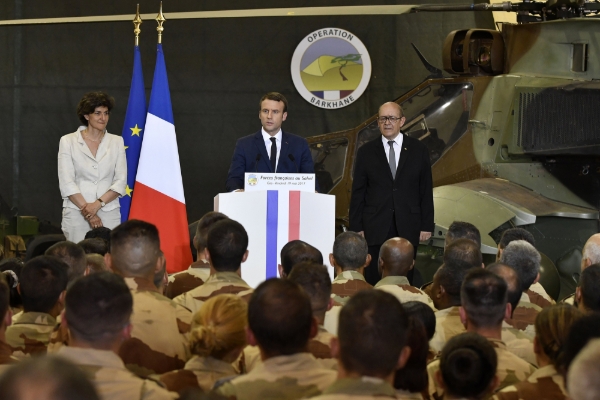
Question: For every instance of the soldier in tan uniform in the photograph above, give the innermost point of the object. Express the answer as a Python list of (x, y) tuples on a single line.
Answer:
[(295, 252), (395, 261), (71, 254), (462, 230), (280, 324), (42, 285), (483, 308), (199, 271), (159, 338), (349, 258), (226, 249), (583, 374), (371, 346), (97, 314), (589, 255)]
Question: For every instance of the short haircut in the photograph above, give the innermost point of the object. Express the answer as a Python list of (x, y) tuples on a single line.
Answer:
[(12, 267), (227, 242), (513, 283), (350, 250), (98, 307), (134, 248), (552, 327), (451, 275), (72, 254), (90, 101), (297, 251), (275, 97), (465, 250), (43, 279), (483, 296), (463, 230), (56, 377), (316, 282), (204, 224), (582, 331), (280, 317), (397, 255), (101, 232), (94, 246), (424, 313), (582, 380), (525, 259), (468, 364), (219, 326), (413, 376), (95, 263), (513, 234), (372, 331), (589, 284), (591, 251)]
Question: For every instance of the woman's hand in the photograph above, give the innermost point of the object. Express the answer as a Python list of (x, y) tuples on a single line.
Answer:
[(89, 210), (95, 222)]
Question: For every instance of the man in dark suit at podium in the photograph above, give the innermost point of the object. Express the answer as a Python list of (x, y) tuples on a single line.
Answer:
[(392, 194), (270, 149)]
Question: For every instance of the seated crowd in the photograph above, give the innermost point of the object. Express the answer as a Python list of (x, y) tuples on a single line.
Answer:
[(101, 319)]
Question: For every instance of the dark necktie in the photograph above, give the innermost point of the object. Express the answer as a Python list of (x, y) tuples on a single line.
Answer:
[(392, 159), (273, 154)]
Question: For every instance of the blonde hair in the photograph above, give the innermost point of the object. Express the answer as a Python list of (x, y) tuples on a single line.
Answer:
[(552, 326), (219, 326)]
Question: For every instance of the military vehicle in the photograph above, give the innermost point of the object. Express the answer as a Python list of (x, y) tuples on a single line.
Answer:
[(513, 135)]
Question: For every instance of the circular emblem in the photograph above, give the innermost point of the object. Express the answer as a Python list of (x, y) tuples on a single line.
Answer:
[(252, 181), (331, 68)]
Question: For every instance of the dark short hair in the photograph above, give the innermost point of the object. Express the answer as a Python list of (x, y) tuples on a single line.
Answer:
[(72, 254), (43, 279), (101, 232), (12, 267), (94, 246), (376, 321), (204, 224), (62, 379), (513, 283), (463, 230), (589, 284), (468, 364), (227, 242), (280, 317), (424, 313), (525, 259), (465, 250), (413, 376), (92, 100), (581, 332), (483, 296), (297, 251), (275, 97), (98, 307), (134, 234), (512, 234), (95, 263), (350, 250), (451, 275), (315, 281)]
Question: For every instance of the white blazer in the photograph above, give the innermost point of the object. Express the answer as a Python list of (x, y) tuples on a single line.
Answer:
[(80, 172)]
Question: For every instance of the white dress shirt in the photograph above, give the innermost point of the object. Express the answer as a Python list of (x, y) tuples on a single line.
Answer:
[(397, 147), (267, 138)]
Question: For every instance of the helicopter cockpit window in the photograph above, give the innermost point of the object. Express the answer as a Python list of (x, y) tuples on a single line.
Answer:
[(329, 158)]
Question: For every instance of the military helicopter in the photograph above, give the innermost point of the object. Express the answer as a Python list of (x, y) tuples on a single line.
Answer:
[(512, 135)]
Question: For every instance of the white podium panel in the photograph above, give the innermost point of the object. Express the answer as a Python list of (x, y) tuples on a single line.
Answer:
[(272, 219)]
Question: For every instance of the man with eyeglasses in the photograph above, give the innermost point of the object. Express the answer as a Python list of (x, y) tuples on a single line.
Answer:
[(392, 193), (270, 149)]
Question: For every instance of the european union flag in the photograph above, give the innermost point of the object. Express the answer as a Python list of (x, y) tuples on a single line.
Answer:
[(133, 130)]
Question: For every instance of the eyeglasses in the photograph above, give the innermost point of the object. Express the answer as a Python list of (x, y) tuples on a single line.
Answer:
[(392, 120)]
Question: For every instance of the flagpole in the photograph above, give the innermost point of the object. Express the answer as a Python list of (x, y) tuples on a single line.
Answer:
[(160, 19), (137, 21)]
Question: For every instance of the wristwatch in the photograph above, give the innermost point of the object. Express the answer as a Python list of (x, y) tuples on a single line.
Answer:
[(102, 203)]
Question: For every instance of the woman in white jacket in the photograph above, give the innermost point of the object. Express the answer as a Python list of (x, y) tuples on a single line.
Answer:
[(92, 170)]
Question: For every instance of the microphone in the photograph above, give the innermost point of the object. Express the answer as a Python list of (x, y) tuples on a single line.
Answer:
[(291, 157), (258, 157)]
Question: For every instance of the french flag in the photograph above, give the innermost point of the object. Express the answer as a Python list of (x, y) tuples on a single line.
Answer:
[(158, 196)]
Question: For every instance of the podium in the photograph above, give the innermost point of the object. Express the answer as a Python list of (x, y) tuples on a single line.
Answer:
[(272, 218)]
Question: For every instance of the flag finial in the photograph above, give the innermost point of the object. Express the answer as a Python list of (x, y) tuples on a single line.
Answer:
[(137, 21), (160, 18)]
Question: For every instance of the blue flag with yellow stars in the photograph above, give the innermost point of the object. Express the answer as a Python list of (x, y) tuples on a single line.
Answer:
[(133, 130)]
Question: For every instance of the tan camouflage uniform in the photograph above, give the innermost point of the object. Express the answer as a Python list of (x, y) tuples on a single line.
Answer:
[(569, 299), (219, 283), (284, 378), (364, 388), (523, 317), (511, 369), (545, 383), (346, 284), (30, 333), (159, 340), (447, 325), (332, 318), (110, 377), (536, 294), (187, 280), (402, 289), (199, 372), (519, 343), (6, 354)]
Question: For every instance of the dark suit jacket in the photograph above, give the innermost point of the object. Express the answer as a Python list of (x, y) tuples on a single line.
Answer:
[(248, 147), (375, 195)]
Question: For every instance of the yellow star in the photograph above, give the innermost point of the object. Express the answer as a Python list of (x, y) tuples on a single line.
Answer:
[(128, 191), (126, 147), (136, 130)]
